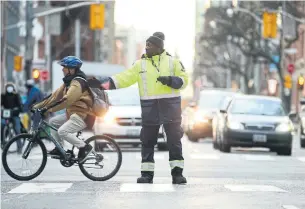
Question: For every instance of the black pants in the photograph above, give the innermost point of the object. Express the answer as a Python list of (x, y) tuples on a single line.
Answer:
[(149, 137)]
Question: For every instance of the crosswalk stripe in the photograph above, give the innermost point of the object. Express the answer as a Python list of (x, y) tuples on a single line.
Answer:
[(290, 207), (253, 188), (258, 157), (205, 156), (301, 159), (41, 188), (157, 156)]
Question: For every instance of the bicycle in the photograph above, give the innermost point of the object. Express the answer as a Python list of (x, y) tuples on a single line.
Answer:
[(8, 131), (67, 158)]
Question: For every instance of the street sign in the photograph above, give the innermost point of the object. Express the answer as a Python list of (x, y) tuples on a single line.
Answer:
[(44, 75), (290, 68)]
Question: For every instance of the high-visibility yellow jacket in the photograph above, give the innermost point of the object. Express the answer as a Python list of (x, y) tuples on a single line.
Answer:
[(160, 103)]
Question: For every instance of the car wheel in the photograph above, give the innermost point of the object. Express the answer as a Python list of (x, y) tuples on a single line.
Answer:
[(162, 147), (303, 143), (224, 145), (286, 151), (215, 145)]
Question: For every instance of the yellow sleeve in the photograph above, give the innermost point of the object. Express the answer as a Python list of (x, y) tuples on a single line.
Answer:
[(57, 95), (127, 77), (181, 73)]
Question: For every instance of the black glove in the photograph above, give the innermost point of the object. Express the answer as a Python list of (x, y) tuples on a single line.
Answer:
[(165, 80), (43, 110), (33, 111)]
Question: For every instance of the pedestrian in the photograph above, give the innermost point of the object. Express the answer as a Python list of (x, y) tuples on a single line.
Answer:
[(34, 95), (160, 78)]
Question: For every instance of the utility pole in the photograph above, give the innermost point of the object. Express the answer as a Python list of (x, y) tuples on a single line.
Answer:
[(29, 44), (77, 38)]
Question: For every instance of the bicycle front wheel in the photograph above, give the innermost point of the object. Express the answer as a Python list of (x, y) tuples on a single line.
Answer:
[(34, 157), (105, 160)]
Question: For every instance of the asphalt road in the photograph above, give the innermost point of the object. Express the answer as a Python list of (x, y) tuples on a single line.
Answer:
[(243, 179)]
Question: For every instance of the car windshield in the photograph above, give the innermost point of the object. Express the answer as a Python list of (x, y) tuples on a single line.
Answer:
[(257, 107), (124, 97), (209, 100)]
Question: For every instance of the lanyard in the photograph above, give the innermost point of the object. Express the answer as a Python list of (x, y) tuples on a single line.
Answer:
[(154, 64)]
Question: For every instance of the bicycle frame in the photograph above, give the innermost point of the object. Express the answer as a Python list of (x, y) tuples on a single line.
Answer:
[(42, 128)]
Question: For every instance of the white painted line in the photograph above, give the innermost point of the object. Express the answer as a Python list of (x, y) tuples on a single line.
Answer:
[(131, 187), (290, 207), (301, 159), (253, 188), (205, 156), (157, 156), (259, 157), (41, 188), (196, 150)]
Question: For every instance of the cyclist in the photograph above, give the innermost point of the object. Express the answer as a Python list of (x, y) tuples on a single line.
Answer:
[(77, 101), (11, 100), (34, 95)]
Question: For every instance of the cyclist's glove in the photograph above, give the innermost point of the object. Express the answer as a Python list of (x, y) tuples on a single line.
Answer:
[(43, 110)]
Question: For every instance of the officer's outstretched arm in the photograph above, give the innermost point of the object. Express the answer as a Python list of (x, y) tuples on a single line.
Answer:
[(127, 77), (180, 80)]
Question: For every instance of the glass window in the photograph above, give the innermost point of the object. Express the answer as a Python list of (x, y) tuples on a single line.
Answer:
[(124, 97), (257, 107)]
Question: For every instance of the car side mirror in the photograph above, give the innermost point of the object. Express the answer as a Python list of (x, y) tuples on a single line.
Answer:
[(223, 111)]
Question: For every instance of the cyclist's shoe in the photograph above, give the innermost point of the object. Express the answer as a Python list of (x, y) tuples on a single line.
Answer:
[(55, 152), (84, 152)]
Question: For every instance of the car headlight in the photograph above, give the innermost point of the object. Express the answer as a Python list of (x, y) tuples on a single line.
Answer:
[(201, 118), (283, 127), (109, 118), (235, 125)]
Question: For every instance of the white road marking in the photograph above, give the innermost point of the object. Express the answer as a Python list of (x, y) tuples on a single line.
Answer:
[(301, 159), (205, 156), (253, 188), (290, 207), (157, 156), (127, 187), (196, 150), (41, 188), (259, 157)]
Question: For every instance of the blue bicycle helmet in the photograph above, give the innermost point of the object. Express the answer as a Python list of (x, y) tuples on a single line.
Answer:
[(71, 62)]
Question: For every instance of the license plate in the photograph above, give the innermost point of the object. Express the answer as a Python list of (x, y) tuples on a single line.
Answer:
[(133, 132), (6, 114), (259, 138)]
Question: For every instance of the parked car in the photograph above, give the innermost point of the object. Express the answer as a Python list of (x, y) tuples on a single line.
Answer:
[(198, 116), (255, 121), (123, 120)]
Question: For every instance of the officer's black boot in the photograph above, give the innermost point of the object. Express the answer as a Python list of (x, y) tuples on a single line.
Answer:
[(177, 176), (146, 178)]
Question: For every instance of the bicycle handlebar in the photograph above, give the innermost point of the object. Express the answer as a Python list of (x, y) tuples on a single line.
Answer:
[(40, 110)]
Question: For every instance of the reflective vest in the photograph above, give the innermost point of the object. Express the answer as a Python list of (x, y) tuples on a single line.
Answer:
[(145, 74)]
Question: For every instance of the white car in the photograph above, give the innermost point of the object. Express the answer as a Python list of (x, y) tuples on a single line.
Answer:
[(122, 122)]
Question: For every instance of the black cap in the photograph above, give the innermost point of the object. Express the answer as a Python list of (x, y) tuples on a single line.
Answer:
[(157, 39)]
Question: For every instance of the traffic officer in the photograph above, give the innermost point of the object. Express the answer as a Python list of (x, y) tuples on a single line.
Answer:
[(160, 78)]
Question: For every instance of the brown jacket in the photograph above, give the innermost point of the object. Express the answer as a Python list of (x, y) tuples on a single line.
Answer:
[(78, 100)]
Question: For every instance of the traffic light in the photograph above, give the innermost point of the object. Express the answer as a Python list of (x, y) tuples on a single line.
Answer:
[(301, 82), (269, 25), (287, 82), (97, 16), (35, 74), (18, 63)]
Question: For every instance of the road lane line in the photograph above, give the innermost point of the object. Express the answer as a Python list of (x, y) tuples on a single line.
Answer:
[(41, 188), (252, 188), (205, 156), (290, 207), (157, 156), (132, 187)]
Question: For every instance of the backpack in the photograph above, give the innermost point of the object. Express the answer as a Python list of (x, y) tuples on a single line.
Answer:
[(100, 100)]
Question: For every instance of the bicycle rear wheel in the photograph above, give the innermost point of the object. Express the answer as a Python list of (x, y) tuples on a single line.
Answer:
[(30, 152), (100, 159)]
